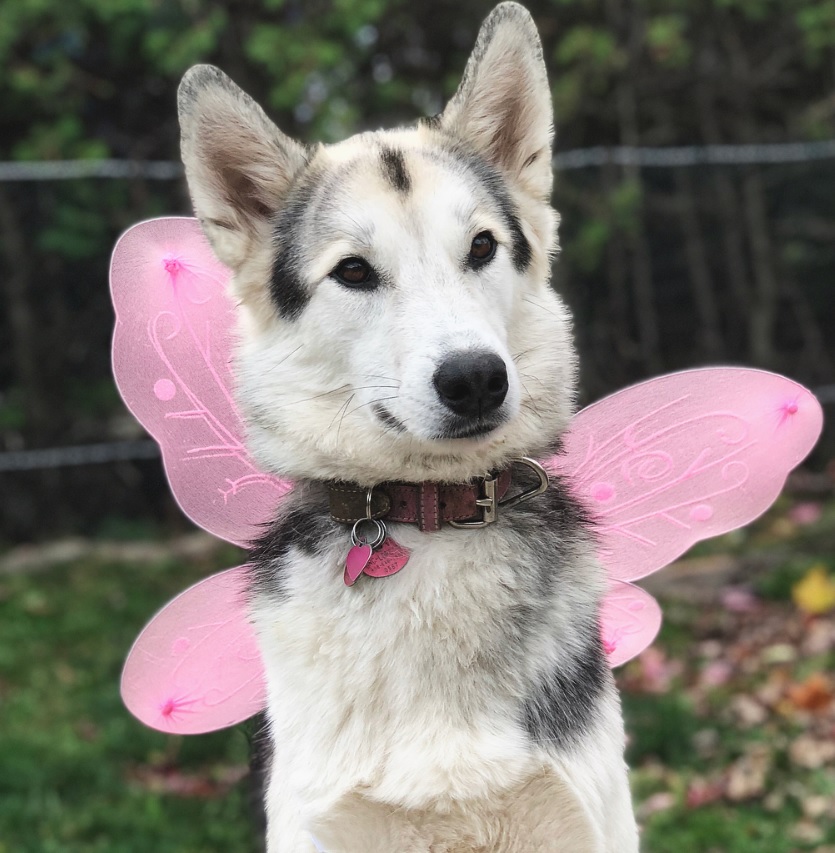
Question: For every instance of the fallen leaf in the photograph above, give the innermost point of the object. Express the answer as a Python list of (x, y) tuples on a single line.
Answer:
[(814, 694), (702, 792), (806, 751), (660, 802), (818, 806), (779, 653), (806, 512), (747, 775), (819, 637), (716, 673), (807, 832), (748, 711), (656, 670), (739, 599), (815, 593)]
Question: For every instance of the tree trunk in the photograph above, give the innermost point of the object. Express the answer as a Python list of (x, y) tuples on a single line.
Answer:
[(766, 292), (640, 258), (698, 266), (728, 210), (18, 279), (618, 311), (764, 307)]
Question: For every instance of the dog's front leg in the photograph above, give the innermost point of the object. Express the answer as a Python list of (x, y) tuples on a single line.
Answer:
[(289, 838), (355, 824), (285, 833)]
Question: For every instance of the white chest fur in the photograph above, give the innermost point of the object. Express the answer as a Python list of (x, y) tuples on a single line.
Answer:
[(410, 687)]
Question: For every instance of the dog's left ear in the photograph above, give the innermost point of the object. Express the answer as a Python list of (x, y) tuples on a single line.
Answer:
[(503, 106)]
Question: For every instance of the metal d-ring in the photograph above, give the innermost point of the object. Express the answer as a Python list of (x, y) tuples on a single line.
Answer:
[(538, 489), (379, 537)]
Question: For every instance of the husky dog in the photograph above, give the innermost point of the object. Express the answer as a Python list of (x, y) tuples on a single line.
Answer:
[(397, 326)]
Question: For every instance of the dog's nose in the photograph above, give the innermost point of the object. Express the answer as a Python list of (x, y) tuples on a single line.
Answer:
[(472, 383)]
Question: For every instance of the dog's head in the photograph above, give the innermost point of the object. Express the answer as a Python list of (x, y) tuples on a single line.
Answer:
[(396, 318)]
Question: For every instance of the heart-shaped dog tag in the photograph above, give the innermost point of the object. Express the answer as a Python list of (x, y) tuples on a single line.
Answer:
[(356, 561)]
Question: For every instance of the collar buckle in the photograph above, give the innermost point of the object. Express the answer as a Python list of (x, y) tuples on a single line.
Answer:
[(489, 501)]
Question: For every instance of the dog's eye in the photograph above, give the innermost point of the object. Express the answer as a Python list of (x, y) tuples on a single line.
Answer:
[(482, 249), (355, 272)]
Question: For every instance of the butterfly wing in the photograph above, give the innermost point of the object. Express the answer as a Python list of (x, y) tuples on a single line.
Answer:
[(196, 667), (630, 619), (683, 457), (171, 358), (675, 460)]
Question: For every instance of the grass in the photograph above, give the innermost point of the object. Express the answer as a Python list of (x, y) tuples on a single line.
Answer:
[(79, 774)]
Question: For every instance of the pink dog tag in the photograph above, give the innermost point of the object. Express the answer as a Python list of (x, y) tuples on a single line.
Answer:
[(357, 560), (387, 560)]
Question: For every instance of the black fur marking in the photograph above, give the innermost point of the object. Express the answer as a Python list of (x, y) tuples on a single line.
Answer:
[(563, 705), (388, 418), (456, 426), (304, 527), (521, 247), (431, 122), (546, 516), (493, 183), (260, 765), (287, 289), (394, 168)]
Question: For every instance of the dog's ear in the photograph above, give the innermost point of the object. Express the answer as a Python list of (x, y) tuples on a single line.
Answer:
[(503, 106), (239, 165)]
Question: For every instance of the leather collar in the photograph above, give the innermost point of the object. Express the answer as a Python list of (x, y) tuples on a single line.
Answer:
[(430, 504), (426, 504)]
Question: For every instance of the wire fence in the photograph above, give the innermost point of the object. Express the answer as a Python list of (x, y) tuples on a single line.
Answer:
[(133, 451), (578, 158), (81, 454), (165, 170)]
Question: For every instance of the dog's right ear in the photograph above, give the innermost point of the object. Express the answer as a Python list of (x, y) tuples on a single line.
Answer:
[(239, 165)]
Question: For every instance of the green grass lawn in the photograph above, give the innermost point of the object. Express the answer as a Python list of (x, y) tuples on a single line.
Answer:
[(79, 774)]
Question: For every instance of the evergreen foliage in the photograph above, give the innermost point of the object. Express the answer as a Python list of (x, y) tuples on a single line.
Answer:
[(664, 268)]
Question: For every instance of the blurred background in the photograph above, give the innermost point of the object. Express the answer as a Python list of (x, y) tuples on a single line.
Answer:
[(695, 167)]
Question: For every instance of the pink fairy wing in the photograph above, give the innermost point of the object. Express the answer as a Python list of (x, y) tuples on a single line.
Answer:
[(629, 621), (171, 358), (196, 667), (683, 457)]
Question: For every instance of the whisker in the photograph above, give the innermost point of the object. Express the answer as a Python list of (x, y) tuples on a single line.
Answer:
[(380, 376), (344, 412), (372, 387), (531, 378), (372, 402), (341, 389), (289, 355), (524, 353), (540, 306), (341, 409), (530, 401)]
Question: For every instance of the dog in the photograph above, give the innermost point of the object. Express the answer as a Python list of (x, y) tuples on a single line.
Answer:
[(397, 325)]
